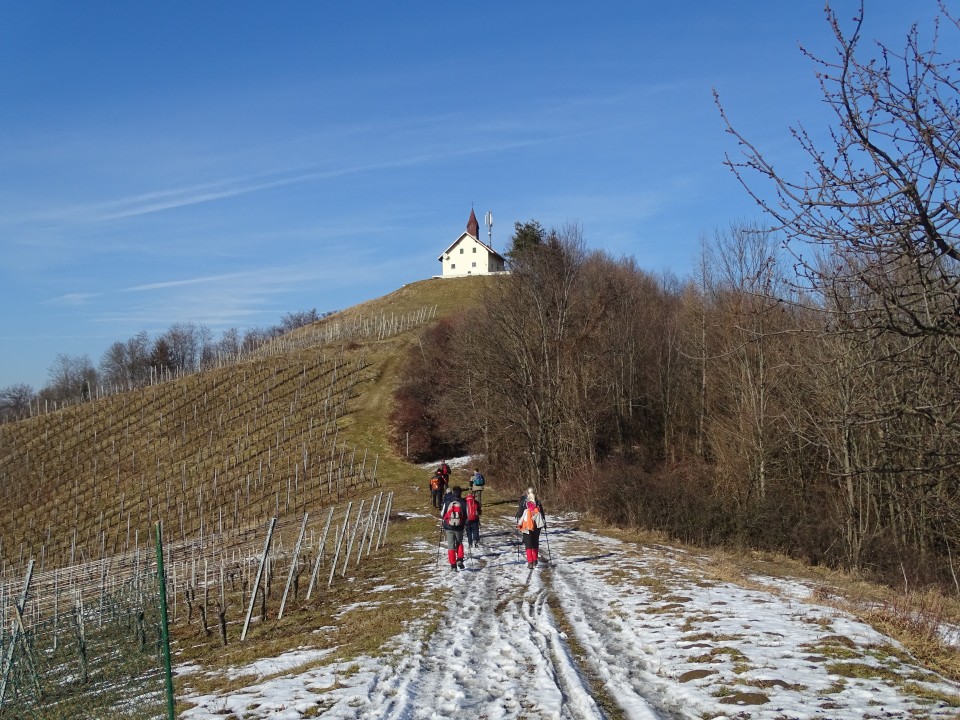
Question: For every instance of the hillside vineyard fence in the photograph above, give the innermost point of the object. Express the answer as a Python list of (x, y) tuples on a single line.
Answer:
[(90, 640), (92, 649)]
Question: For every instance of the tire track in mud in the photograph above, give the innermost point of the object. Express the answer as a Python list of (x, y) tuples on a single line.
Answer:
[(607, 639)]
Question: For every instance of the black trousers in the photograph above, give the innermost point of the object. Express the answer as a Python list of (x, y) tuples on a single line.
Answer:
[(531, 539)]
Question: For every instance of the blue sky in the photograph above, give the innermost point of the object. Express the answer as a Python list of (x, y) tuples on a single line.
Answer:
[(225, 163)]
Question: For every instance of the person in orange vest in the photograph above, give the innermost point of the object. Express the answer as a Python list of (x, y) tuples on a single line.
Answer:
[(437, 488), (530, 521)]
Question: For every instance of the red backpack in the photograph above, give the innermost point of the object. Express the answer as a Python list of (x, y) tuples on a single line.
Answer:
[(473, 508), (452, 517)]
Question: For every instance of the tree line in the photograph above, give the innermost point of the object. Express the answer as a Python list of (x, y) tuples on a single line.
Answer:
[(724, 408), (183, 347), (799, 392)]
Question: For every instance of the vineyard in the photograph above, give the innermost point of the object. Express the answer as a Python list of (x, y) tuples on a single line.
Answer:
[(211, 453), (266, 474)]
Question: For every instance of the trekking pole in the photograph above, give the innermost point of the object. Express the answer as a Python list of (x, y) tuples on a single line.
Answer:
[(546, 536), (439, 545)]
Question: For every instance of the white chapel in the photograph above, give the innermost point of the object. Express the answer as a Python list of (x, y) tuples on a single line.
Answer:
[(468, 255)]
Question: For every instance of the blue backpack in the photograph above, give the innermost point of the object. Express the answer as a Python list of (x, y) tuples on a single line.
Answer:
[(478, 480)]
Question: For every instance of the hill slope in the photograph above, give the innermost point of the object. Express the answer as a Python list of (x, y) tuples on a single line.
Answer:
[(220, 450)]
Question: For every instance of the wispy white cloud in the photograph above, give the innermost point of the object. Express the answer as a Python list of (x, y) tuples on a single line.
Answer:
[(203, 280), (77, 298), (241, 299), (441, 137)]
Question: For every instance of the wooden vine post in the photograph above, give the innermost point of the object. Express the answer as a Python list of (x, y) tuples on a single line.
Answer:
[(256, 582), (293, 565)]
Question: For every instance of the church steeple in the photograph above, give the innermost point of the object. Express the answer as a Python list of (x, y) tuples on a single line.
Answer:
[(473, 227)]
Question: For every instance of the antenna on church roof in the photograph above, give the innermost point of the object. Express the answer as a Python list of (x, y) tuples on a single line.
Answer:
[(488, 221)]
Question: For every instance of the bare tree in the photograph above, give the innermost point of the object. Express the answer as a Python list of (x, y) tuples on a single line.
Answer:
[(880, 199), (183, 344), (747, 359), (15, 401), (874, 227), (127, 364), (115, 366), (541, 376), (293, 320), (71, 378), (138, 359)]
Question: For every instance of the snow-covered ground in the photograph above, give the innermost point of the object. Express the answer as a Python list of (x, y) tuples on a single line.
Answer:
[(641, 631)]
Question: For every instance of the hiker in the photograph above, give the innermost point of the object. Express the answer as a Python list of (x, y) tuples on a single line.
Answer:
[(444, 471), (473, 518), (437, 488), (453, 517), (530, 521), (447, 497), (477, 482)]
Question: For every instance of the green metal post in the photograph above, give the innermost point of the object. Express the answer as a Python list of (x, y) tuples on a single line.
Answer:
[(164, 630)]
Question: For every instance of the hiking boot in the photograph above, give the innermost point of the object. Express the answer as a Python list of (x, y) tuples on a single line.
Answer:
[(460, 564), (453, 566), (530, 565)]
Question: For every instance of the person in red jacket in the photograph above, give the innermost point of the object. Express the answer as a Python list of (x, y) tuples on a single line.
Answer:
[(453, 518), (444, 471), (530, 521), (474, 509)]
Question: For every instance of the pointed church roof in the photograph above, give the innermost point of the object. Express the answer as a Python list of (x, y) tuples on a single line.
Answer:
[(473, 227), (473, 232), (479, 242)]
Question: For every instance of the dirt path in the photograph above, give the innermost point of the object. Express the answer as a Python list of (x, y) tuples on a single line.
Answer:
[(497, 652)]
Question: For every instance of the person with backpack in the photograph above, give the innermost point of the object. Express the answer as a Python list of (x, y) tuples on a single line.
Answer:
[(437, 488), (453, 518), (473, 518), (444, 471), (477, 482), (530, 521)]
